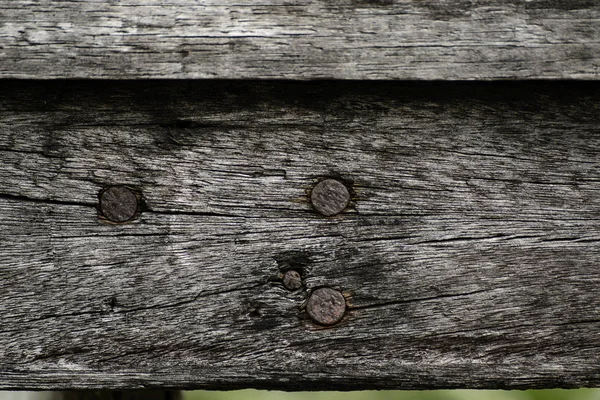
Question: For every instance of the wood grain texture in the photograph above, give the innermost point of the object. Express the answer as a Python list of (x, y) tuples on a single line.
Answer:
[(301, 39), (468, 256)]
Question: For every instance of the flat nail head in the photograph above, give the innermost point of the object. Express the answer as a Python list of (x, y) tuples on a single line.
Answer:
[(292, 280), (118, 204), (329, 197), (326, 306)]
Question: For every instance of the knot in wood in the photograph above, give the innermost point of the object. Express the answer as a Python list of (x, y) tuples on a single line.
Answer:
[(330, 197), (118, 203), (326, 306), (292, 280)]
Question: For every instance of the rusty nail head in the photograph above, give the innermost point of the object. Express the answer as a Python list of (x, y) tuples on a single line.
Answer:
[(292, 280), (326, 306), (118, 203), (330, 197)]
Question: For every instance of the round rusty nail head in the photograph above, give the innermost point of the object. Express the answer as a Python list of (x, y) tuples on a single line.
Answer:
[(330, 197), (292, 280), (118, 204), (326, 306)]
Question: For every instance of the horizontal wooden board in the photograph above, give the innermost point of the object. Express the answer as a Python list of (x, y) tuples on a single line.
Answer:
[(468, 256), (300, 39)]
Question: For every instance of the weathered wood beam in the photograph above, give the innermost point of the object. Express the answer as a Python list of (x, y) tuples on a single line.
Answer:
[(300, 39), (467, 257)]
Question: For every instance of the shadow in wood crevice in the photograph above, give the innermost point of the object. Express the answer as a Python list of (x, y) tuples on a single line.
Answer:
[(117, 395)]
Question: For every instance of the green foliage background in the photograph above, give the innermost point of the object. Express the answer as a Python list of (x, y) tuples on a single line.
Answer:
[(557, 394)]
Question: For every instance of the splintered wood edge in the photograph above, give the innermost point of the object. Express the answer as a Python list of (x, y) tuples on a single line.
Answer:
[(467, 257)]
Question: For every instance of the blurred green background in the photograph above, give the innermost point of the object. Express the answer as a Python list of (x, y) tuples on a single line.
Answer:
[(556, 394)]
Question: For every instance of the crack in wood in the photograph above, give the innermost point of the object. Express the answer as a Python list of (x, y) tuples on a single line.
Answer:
[(146, 308), (28, 199), (415, 300)]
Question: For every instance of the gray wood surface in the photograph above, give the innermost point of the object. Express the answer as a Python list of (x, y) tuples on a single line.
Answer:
[(468, 256), (301, 39)]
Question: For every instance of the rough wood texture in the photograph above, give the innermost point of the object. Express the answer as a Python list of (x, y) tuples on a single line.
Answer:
[(301, 39), (468, 256)]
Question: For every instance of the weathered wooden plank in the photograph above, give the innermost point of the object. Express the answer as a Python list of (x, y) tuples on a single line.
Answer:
[(301, 39), (468, 256)]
